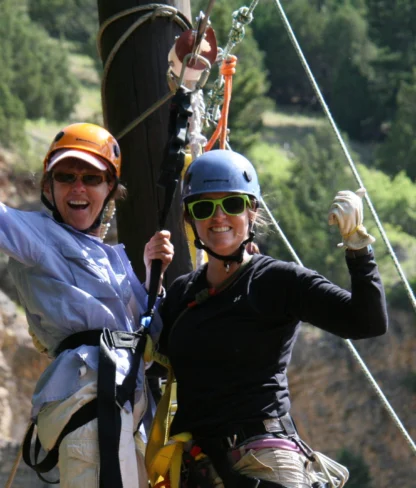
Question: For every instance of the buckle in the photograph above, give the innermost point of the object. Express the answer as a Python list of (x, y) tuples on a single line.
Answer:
[(107, 338)]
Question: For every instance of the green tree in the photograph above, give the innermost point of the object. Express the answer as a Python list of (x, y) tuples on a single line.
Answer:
[(75, 20), (398, 153), (349, 73), (392, 28), (359, 472), (334, 38), (12, 111), (288, 82), (36, 66), (12, 119), (301, 201)]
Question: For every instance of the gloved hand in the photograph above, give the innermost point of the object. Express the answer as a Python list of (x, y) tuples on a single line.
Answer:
[(347, 212)]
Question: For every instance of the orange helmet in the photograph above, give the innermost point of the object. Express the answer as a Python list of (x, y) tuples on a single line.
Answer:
[(90, 138)]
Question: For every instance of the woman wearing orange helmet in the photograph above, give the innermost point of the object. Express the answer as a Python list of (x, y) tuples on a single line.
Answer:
[(82, 302)]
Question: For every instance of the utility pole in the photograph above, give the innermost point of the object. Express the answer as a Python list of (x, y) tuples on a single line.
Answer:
[(135, 80)]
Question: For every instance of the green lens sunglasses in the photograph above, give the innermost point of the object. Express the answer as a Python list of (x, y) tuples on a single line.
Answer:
[(231, 205)]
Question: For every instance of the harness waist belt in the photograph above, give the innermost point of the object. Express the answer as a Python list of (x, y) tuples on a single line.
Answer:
[(115, 338), (238, 434)]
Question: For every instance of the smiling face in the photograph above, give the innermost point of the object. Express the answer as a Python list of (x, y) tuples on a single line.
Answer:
[(223, 233), (79, 204)]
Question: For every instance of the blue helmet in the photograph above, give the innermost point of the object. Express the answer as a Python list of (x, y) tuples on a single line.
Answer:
[(220, 171)]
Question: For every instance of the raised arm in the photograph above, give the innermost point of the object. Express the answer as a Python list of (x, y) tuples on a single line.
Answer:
[(22, 235)]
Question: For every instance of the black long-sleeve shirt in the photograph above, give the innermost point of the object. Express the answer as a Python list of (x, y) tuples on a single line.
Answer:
[(230, 353)]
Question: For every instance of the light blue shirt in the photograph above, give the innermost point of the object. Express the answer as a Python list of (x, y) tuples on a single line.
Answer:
[(69, 282)]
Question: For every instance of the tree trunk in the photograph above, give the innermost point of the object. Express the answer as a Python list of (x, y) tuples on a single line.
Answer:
[(135, 81)]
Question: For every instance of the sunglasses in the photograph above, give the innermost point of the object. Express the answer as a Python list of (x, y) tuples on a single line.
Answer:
[(231, 205), (87, 180)]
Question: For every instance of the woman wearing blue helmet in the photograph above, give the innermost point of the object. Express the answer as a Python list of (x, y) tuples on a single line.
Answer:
[(230, 327)]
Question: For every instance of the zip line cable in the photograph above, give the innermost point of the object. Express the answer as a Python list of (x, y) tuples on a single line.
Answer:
[(351, 163)]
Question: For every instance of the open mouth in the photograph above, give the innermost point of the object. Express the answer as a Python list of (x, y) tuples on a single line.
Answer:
[(78, 204)]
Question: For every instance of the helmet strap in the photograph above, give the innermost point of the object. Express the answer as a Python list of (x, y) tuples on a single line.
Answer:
[(232, 258)]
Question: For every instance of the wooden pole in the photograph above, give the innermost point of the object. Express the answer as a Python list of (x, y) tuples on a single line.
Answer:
[(135, 81)]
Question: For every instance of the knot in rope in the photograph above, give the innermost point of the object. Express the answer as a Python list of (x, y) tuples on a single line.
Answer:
[(221, 131), (228, 66)]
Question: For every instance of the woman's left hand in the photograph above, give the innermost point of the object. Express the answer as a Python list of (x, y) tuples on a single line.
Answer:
[(159, 247)]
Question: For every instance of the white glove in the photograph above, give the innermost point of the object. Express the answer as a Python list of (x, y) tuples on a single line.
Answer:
[(347, 212)]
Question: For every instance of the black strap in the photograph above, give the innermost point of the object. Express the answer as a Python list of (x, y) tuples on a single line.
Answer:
[(172, 165), (81, 417), (109, 419)]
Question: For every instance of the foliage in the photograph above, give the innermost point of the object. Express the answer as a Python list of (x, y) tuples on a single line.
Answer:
[(35, 66), (349, 73), (398, 153), (74, 20), (359, 472), (339, 52), (288, 82), (301, 200), (12, 119), (394, 198), (12, 111)]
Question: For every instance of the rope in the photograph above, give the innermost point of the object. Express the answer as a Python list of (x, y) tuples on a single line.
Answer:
[(155, 10), (18, 458), (354, 170), (227, 71)]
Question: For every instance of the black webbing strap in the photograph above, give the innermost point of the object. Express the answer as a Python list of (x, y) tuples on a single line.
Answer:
[(172, 165), (109, 419), (82, 416)]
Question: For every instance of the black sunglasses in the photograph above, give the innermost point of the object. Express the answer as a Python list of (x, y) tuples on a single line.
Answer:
[(87, 180)]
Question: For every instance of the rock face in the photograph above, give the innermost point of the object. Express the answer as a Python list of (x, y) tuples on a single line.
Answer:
[(20, 368), (336, 408)]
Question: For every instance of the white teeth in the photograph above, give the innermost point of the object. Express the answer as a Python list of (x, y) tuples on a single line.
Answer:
[(78, 202), (220, 229)]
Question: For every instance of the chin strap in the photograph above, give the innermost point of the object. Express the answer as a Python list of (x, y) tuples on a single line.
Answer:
[(236, 257), (58, 217)]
